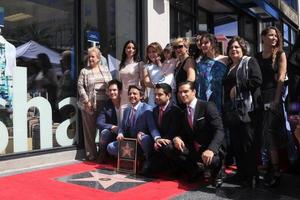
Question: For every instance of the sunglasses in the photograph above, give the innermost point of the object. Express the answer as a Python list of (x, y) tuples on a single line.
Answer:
[(178, 47)]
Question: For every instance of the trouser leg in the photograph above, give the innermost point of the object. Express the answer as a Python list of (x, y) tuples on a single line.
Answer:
[(89, 131)]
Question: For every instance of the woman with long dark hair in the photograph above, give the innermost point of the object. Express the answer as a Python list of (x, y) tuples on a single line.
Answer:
[(210, 71), (130, 71), (273, 65)]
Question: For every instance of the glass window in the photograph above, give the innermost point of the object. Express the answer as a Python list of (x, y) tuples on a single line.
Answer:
[(182, 18), (184, 5), (285, 32), (114, 20), (225, 25), (42, 31), (293, 36), (202, 20)]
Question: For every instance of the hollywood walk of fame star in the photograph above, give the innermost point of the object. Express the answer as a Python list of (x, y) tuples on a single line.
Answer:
[(107, 180), (127, 151)]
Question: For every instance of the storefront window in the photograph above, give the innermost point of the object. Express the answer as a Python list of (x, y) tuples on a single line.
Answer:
[(225, 25), (115, 20), (38, 111), (202, 20), (289, 37), (182, 18)]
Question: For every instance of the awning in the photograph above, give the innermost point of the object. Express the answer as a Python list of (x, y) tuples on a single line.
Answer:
[(259, 8)]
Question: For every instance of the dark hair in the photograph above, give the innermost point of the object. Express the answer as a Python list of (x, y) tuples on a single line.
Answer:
[(124, 56), (139, 88), (213, 41), (190, 83), (242, 43), (278, 46), (44, 62), (166, 87), (279, 36), (169, 48), (116, 82)]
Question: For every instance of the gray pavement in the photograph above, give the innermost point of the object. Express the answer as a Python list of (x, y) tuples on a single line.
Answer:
[(289, 189)]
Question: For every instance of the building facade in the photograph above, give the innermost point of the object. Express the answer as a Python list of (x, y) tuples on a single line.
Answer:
[(36, 124)]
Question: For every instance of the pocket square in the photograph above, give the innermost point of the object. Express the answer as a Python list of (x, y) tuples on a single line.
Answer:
[(201, 118)]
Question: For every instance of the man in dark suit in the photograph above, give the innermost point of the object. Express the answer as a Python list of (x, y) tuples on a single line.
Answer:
[(167, 117), (137, 123), (202, 135), (109, 118)]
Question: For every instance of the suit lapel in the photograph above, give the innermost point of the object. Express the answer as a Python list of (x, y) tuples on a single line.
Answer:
[(127, 112), (196, 113), (138, 113)]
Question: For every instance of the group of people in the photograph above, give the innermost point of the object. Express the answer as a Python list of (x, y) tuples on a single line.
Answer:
[(186, 112)]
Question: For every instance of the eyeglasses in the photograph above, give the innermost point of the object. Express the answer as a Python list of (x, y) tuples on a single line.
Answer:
[(178, 47)]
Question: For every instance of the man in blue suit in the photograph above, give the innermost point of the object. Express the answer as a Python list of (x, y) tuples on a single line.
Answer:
[(109, 120), (137, 123)]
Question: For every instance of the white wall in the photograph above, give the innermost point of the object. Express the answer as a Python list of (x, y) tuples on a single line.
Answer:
[(157, 22)]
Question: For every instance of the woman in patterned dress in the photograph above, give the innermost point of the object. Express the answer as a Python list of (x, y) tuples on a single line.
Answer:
[(210, 71), (92, 85)]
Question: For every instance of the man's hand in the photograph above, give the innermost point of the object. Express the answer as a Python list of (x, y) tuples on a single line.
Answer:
[(178, 143), (120, 137), (161, 142), (139, 137), (114, 128), (207, 156)]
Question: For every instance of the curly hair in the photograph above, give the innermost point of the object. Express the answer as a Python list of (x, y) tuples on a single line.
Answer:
[(243, 44)]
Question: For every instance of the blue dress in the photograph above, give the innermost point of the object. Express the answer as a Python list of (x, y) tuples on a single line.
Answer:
[(209, 76)]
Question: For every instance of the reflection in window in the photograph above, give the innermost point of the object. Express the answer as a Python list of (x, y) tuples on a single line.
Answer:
[(114, 20), (202, 20), (43, 33), (225, 25), (182, 18), (285, 32)]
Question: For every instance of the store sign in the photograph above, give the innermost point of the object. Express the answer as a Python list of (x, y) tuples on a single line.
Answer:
[(20, 109), (93, 36)]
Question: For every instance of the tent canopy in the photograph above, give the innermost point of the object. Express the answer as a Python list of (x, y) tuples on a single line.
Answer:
[(31, 49)]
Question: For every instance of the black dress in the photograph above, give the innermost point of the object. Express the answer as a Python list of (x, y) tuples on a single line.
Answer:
[(181, 76), (273, 127)]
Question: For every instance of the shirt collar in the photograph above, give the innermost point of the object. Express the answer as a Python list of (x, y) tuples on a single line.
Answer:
[(193, 103), (165, 107), (136, 106)]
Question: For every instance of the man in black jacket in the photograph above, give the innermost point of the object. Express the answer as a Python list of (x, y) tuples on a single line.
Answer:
[(202, 136), (167, 117), (109, 118)]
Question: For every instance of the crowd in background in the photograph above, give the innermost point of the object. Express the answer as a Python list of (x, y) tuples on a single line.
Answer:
[(248, 93)]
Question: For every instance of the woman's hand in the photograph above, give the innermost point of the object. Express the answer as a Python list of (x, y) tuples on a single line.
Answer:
[(88, 106)]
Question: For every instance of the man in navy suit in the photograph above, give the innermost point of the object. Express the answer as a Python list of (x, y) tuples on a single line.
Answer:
[(168, 118), (202, 137), (109, 118), (137, 123)]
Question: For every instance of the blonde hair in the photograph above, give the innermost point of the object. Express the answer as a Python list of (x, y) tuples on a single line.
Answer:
[(96, 50), (185, 42)]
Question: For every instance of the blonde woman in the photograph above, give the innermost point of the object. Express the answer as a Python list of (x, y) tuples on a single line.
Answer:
[(185, 69), (92, 85)]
